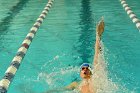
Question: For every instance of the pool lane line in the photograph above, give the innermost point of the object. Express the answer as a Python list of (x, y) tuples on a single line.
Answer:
[(131, 14), (12, 69)]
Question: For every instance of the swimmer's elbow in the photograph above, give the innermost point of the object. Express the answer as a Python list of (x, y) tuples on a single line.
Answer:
[(72, 86)]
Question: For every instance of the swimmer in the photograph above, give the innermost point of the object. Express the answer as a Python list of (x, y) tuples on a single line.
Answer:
[(86, 85)]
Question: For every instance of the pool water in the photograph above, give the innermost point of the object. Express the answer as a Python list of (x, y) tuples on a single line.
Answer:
[(66, 39)]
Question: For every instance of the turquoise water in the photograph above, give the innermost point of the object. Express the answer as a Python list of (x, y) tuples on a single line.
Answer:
[(65, 40)]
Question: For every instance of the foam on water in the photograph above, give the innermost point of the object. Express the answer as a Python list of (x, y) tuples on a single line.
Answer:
[(100, 76), (58, 79), (101, 80), (62, 77)]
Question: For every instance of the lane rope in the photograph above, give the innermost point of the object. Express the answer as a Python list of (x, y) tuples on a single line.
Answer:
[(131, 14), (12, 69)]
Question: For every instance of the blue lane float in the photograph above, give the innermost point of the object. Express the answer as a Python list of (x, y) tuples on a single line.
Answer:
[(131, 14), (12, 69)]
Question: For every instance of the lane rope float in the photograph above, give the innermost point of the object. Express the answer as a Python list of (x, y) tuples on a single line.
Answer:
[(131, 14), (12, 69)]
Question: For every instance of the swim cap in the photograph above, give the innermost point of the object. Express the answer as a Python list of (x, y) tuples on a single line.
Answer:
[(85, 65)]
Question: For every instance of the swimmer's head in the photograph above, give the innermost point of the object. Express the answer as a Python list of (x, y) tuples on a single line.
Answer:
[(85, 71)]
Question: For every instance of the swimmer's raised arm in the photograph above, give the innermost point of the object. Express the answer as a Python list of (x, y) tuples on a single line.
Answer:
[(99, 31)]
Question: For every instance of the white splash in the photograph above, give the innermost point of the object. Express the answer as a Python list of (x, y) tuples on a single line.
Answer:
[(56, 57), (101, 82)]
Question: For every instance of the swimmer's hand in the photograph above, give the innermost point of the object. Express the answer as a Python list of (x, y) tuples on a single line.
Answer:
[(70, 87), (100, 27)]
